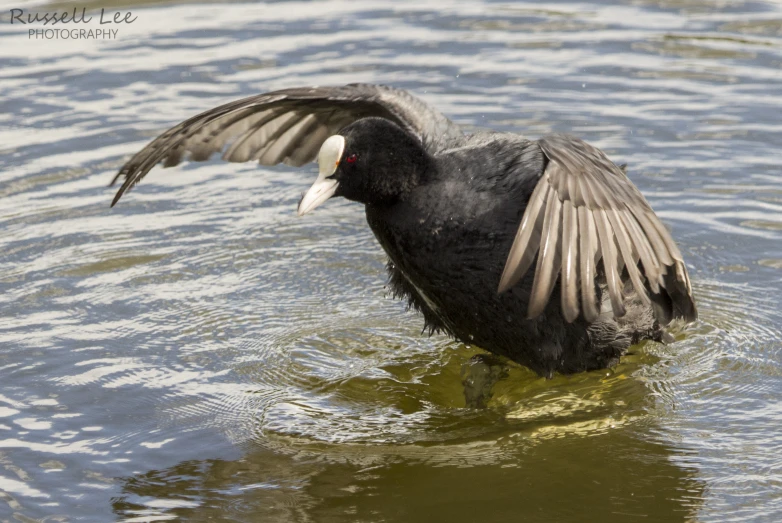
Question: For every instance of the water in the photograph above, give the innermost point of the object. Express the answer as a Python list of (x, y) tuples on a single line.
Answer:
[(200, 352)]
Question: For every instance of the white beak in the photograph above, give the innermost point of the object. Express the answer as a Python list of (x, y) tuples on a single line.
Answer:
[(324, 187)]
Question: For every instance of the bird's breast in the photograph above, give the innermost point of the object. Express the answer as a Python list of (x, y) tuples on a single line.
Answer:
[(450, 258)]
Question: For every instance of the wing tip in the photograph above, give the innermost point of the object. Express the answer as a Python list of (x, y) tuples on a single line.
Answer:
[(505, 281), (533, 313), (116, 198), (570, 314), (591, 315)]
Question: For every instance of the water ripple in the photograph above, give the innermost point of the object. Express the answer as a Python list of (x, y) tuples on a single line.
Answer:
[(198, 351)]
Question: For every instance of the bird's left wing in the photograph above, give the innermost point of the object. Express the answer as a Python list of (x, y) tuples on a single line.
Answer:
[(584, 215)]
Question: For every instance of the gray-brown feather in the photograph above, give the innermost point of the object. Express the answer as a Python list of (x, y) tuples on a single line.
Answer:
[(286, 126), (589, 197)]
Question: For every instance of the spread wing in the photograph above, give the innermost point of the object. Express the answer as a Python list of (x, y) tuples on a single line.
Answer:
[(586, 215), (285, 126)]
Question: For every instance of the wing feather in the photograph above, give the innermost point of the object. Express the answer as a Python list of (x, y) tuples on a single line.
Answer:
[(589, 256), (525, 246), (649, 260), (586, 215), (295, 139), (270, 152), (570, 254), (255, 137), (652, 234), (548, 257), (286, 126), (606, 235), (628, 253)]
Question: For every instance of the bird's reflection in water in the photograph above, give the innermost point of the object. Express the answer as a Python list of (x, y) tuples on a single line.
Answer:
[(613, 476), (568, 449)]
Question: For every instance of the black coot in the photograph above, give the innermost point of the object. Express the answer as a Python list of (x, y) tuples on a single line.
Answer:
[(463, 218)]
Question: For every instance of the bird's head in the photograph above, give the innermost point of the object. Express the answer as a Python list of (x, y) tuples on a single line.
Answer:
[(372, 161)]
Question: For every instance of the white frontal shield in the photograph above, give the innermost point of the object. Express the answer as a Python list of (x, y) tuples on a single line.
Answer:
[(324, 187)]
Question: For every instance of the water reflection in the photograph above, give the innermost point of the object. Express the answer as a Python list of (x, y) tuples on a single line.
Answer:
[(395, 442), (619, 475)]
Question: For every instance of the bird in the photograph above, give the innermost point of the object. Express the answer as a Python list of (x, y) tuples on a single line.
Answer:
[(540, 251)]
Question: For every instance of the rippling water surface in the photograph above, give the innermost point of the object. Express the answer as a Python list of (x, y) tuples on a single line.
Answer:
[(199, 352)]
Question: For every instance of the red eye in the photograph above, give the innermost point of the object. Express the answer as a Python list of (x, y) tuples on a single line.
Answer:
[(351, 158)]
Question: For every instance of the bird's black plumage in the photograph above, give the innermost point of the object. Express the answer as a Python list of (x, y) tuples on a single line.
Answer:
[(463, 218)]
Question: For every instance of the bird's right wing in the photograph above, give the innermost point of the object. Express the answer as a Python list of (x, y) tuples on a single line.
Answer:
[(285, 126)]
